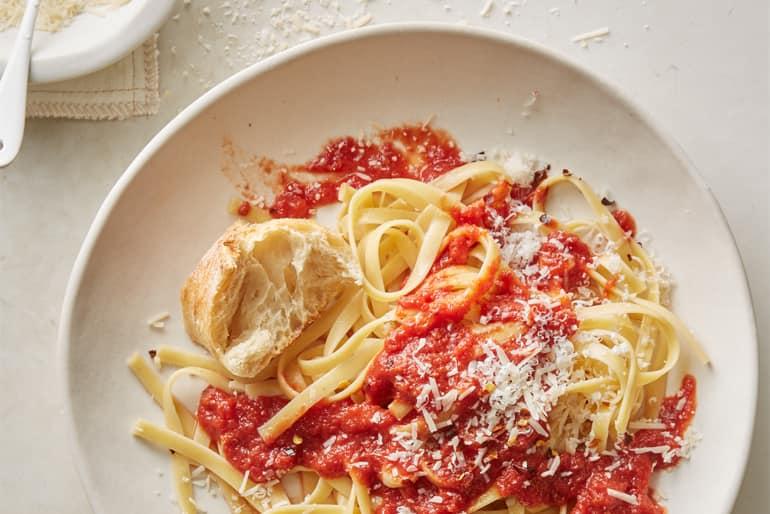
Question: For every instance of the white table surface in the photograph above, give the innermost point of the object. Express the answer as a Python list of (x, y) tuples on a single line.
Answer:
[(699, 66)]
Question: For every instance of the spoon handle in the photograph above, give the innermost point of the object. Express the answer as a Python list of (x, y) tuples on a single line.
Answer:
[(13, 87)]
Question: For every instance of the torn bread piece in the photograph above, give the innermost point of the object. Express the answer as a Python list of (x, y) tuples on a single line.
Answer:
[(260, 285)]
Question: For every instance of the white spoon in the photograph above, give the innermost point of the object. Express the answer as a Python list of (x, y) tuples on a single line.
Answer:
[(13, 88)]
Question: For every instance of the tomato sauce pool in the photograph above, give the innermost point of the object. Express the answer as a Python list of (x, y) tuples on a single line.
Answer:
[(418, 152)]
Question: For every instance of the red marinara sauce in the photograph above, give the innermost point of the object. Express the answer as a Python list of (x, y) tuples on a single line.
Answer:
[(638, 458), (347, 438), (432, 353), (566, 258), (500, 204), (418, 152), (436, 351), (626, 221), (327, 438)]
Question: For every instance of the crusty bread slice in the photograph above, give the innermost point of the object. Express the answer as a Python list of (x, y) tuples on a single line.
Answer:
[(260, 285)]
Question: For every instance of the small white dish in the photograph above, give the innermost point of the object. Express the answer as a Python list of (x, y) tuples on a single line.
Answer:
[(91, 42), (170, 205)]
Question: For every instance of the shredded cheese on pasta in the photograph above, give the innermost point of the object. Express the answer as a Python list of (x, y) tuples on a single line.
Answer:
[(587, 390)]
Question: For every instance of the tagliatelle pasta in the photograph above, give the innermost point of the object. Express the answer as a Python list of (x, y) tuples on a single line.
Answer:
[(494, 359)]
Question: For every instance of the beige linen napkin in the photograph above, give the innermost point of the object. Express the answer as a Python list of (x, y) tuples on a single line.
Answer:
[(125, 89)]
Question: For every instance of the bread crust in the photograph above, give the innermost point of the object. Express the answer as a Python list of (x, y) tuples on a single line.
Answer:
[(260, 285)]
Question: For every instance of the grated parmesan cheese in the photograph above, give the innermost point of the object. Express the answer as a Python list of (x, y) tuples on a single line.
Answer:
[(520, 167), (259, 492), (487, 8), (651, 449), (594, 35), (642, 424), (429, 420), (519, 248), (361, 22), (53, 14), (625, 497), (244, 482), (158, 321), (553, 466)]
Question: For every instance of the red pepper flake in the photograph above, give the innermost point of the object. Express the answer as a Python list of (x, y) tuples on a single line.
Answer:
[(244, 209)]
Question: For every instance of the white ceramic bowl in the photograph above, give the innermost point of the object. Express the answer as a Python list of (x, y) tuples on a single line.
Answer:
[(90, 42), (169, 206)]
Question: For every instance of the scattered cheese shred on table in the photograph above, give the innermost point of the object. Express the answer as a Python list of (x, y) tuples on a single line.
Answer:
[(593, 35), (487, 8), (158, 321)]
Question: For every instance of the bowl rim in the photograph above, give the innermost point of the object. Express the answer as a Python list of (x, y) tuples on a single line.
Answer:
[(241, 77)]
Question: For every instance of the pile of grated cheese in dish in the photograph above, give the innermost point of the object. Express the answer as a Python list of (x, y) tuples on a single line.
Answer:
[(53, 14)]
